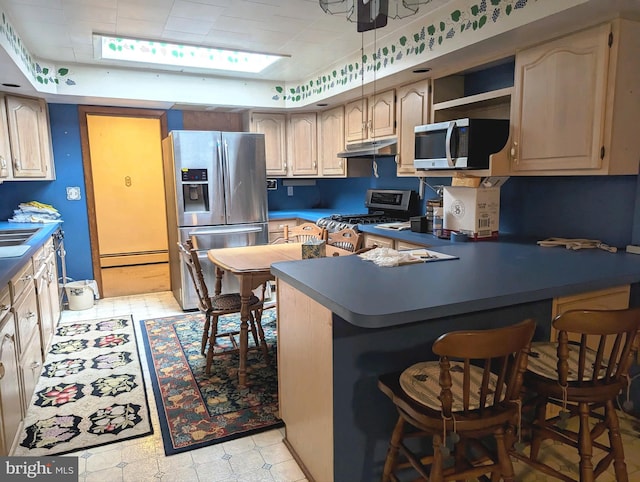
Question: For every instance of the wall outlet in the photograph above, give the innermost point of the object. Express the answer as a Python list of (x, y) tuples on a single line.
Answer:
[(289, 190)]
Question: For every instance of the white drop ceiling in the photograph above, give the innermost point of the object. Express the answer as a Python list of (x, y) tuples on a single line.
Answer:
[(60, 31)]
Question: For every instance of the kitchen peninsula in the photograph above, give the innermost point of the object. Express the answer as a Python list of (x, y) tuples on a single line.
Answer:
[(343, 321)]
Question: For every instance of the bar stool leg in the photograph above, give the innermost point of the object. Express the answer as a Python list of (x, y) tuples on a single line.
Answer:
[(584, 444), (503, 456), (615, 442), (392, 451)]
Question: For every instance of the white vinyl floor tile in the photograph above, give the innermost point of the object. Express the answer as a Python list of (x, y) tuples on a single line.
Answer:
[(261, 457), (253, 458)]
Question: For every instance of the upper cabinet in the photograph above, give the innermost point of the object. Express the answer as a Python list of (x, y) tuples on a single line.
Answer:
[(370, 118), (412, 109), (274, 128), (576, 104), (331, 141), (302, 140), (5, 148), (29, 139)]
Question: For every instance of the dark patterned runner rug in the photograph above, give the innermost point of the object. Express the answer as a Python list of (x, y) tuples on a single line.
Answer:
[(91, 391), (196, 410)]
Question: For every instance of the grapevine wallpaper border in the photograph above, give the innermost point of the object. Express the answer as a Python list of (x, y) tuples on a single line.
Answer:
[(41, 74), (429, 38)]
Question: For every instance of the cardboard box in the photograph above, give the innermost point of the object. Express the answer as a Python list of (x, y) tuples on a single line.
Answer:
[(473, 211)]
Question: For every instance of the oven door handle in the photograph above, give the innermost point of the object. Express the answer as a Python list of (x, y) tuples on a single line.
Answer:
[(450, 128)]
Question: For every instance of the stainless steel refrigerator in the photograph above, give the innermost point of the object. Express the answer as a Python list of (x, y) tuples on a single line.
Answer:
[(216, 195)]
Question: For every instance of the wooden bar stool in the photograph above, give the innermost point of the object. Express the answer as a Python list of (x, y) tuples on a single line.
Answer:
[(471, 393), (582, 373)]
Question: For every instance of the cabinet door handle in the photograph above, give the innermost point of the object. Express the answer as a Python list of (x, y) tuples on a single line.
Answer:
[(4, 307), (514, 152), (30, 314), (27, 278), (35, 365), (1, 370), (315, 165)]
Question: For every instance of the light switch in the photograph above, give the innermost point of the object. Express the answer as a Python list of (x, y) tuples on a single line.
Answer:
[(73, 193), (289, 190)]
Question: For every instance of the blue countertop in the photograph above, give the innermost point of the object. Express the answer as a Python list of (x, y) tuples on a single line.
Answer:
[(10, 266), (307, 214), (487, 275)]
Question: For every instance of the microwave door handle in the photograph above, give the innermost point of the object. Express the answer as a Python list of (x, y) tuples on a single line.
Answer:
[(452, 125)]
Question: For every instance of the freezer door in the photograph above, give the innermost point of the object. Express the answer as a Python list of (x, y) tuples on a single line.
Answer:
[(210, 237), (245, 177), (198, 177)]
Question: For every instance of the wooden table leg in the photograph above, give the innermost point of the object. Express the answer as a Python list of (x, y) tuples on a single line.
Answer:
[(245, 296)]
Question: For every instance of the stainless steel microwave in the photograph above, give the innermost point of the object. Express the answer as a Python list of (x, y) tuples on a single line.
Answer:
[(459, 144)]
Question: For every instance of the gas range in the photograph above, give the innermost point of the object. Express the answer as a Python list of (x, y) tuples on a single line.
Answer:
[(336, 222), (385, 206)]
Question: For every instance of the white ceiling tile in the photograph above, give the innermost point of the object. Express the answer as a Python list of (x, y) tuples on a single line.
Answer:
[(184, 37), (141, 11), (129, 27), (198, 11), (74, 12), (188, 25), (37, 13)]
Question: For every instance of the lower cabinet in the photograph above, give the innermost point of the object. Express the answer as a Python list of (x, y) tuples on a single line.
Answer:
[(616, 298), (276, 227), (11, 404), (29, 312), (30, 361), (608, 299), (371, 240)]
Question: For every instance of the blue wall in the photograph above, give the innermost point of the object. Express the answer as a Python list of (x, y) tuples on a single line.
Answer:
[(596, 207)]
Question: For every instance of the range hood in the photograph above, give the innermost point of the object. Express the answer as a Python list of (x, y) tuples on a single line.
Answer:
[(376, 148)]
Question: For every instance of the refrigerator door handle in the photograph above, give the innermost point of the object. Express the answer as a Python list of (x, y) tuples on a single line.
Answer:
[(226, 180), (224, 230)]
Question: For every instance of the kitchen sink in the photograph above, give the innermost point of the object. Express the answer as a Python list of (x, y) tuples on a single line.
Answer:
[(16, 237)]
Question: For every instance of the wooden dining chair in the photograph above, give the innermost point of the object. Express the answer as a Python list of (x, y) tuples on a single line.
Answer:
[(304, 232), (216, 305), (347, 239), (582, 373), (471, 393)]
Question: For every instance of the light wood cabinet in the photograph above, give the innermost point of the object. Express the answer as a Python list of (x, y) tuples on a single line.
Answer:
[(404, 245), (302, 137), (53, 290), (385, 242), (29, 138), (276, 227), (46, 321), (371, 117), (567, 122), (616, 298), (6, 172), (274, 128), (331, 141), (412, 109), (11, 404)]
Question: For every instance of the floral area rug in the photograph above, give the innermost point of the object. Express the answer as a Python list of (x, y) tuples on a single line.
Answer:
[(196, 409), (91, 391)]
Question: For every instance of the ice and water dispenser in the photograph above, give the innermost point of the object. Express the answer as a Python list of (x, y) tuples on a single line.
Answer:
[(195, 190)]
